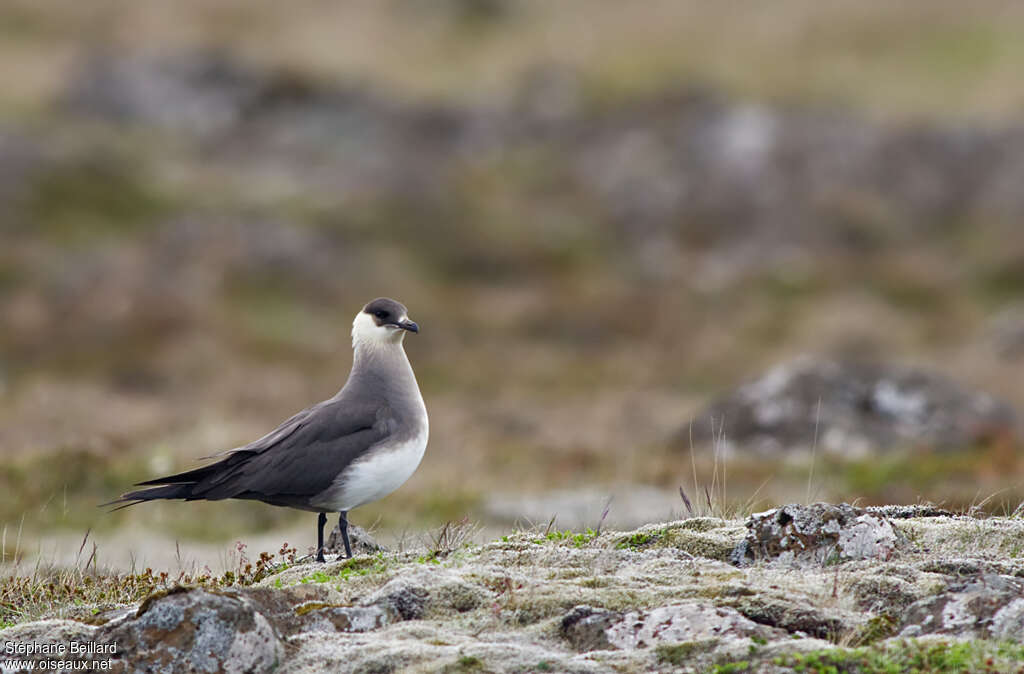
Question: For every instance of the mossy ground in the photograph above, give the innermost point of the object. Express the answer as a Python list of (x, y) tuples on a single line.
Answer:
[(911, 656), (522, 584)]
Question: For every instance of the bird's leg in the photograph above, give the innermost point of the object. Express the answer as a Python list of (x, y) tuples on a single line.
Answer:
[(321, 520), (343, 525)]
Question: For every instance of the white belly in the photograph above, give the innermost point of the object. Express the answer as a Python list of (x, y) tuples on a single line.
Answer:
[(383, 470)]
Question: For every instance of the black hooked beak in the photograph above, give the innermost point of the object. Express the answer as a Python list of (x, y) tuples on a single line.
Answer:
[(408, 325)]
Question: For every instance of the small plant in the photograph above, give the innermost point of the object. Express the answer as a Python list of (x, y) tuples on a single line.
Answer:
[(639, 539), (450, 537), (317, 576), (363, 566), (577, 539)]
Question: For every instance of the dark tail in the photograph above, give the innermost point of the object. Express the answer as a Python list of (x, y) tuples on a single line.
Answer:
[(152, 494), (182, 485)]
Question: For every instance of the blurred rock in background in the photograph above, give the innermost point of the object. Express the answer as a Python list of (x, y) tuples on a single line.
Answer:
[(603, 227), (853, 411)]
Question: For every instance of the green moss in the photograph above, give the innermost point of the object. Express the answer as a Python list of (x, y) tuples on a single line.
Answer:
[(573, 538), (160, 594), (877, 628), (676, 654), (363, 566), (637, 540), (466, 663), (311, 606), (712, 545), (317, 577), (911, 656)]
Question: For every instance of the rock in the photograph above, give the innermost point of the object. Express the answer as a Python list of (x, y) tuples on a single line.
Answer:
[(45, 636), (903, 512), (791, 615), (361, 541), (288, 608), (428, 592), (684, 622), (850, 410), (197, 629), (403, 598), (884, 594), (988, 607), (817, 534), (585, 628), (346, 618)]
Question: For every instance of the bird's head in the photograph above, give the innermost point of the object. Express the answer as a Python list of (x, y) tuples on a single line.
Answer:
[(382, 321)]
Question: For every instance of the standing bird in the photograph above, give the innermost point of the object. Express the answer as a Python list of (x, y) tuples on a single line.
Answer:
[(349, 450)]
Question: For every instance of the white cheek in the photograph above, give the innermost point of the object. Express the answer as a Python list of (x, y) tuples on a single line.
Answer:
[(364, 329)]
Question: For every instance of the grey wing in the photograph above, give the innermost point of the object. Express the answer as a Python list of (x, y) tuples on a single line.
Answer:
[(301, 457)]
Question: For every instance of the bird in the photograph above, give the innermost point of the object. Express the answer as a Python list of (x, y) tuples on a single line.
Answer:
[(356, 447)]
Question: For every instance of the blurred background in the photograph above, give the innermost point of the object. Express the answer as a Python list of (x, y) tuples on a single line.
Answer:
[(767, 255)]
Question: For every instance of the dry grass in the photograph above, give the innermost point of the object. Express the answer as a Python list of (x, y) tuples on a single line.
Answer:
[(911, 59), (85, 590)]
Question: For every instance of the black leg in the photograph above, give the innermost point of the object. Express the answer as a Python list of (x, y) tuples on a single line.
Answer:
[(321, 520), (343, 525)]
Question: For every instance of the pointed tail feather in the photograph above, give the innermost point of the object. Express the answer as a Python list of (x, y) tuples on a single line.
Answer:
[(133, 497), (234, 458)]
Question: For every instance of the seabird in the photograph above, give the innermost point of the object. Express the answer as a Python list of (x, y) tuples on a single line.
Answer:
[(344, 452)]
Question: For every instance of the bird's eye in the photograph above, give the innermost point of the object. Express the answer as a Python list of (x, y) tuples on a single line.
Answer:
[(380, 313)]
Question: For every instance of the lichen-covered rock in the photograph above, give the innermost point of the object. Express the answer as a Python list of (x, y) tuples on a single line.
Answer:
[(792, 615), (44, 635), (285, 607), (684, 622), (903, 512), (586, 628), (878, 593), (360, 540), (821, 533), (429, 591), (345, 618), (988, 607), (195, 630)]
